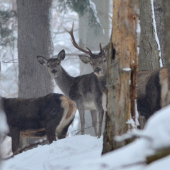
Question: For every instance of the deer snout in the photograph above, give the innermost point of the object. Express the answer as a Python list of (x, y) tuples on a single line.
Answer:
[(97, 69), (54, 71)]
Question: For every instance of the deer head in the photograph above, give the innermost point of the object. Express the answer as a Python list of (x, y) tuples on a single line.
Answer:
[(97, 61), (53, 64)]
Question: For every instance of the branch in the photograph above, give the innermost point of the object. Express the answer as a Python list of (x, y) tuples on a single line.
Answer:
[(158, 155), (132, 135)]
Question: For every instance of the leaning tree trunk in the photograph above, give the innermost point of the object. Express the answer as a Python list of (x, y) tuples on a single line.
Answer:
[(160, 26), (34, 38), (122, 70), (149, 54)]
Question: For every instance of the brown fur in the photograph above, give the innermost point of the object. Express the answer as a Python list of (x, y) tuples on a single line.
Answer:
[(163, 77), (67, 103), (32, 133), (72, 108)]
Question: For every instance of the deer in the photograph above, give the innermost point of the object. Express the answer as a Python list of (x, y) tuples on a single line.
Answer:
[(84, 90), (48, 115), (98, 63), (152, 86), (152, 91)]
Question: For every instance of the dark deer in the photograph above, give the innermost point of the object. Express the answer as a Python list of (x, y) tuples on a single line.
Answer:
[(35, 117), (83, 90), (152, 91), (152, 86)]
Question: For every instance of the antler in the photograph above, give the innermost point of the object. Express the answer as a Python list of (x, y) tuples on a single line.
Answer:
[(102, 49), (74, 42)]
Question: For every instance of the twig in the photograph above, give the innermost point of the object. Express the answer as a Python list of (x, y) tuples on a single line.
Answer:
[(79, 130)]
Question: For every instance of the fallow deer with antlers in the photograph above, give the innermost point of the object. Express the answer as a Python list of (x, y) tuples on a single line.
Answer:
[(98, 63)]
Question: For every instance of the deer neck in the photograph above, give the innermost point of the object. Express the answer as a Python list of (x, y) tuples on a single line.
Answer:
[(102, 84), (64, 82)]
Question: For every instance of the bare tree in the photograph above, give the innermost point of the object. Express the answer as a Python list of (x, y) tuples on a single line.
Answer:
[(148, 55), (122, 70), (34, 39)]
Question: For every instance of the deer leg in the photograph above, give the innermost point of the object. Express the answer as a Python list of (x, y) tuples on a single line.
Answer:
[(80, 108), (63, 134), (50, 131), (94, 120), (98, 103), (15, 135), (100, 122)]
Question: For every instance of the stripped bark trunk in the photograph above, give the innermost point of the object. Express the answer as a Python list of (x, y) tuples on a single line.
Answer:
[(122, 71)]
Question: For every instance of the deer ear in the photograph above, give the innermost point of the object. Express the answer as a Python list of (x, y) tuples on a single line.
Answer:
[(42, 60), (61, 55), (85, 59)]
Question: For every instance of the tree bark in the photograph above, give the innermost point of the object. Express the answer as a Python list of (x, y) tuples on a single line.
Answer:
[(149, 54), (166, 36), (34, 38), (160, 26), (122, 71)]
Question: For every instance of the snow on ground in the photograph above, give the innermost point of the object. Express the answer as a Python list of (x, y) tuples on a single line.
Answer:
[(84, 152), (64, 153)]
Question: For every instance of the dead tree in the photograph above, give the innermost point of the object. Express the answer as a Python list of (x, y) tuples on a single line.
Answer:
[(122, 71)]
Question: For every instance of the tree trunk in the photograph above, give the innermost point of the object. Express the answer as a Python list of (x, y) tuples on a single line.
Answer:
[(122, 71), (166, 36), (149, 54), (34, 39), (159, 26)]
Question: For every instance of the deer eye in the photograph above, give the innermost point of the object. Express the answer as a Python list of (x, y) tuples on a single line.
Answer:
[(104, 60), (48, 65)]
